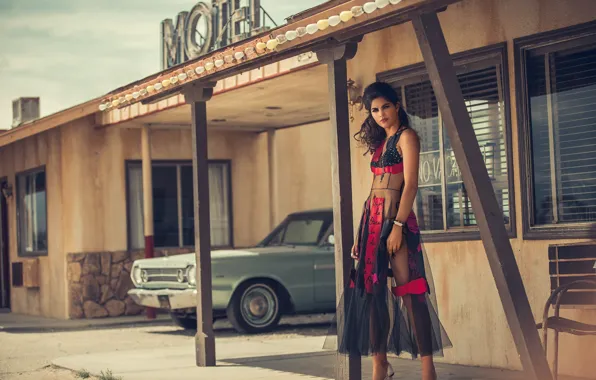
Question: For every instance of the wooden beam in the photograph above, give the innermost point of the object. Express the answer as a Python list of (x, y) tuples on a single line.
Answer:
[(480, 190), (197, 96), (346, 368)]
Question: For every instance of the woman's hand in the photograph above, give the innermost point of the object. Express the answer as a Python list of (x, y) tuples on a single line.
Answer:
[(394, 240), (355, 251)]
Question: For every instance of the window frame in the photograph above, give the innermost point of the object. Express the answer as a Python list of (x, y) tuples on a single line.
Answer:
[(178, 163), (547, 42), (464, 62), (20, 251)]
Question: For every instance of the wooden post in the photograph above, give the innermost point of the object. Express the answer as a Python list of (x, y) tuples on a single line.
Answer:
[(480, 190), (147, 199), (273, 188), (197, 96), (341, 174)]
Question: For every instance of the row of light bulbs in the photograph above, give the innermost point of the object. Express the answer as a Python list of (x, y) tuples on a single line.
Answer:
[(259, 48)]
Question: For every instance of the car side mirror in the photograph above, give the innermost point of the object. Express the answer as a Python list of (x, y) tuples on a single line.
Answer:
[(331, 240)]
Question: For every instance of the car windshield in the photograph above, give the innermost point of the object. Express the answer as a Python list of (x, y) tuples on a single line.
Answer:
[(299, 232)]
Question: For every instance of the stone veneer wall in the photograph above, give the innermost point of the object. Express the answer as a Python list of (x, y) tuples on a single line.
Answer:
[(98, 282)]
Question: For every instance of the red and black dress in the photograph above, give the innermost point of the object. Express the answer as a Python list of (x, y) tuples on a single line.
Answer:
[(371, 317)]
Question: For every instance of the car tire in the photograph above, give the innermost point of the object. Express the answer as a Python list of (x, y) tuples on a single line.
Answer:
[(255, 307), (186, 321)]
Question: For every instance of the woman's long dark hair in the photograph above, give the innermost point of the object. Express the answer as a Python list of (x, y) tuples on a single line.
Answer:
[(371, 135)]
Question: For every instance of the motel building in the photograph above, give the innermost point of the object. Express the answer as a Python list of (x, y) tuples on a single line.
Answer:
[(75, 184)]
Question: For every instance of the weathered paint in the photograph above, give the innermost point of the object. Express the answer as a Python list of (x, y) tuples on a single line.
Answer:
[(86, 190), (469, 303), (46, 149)]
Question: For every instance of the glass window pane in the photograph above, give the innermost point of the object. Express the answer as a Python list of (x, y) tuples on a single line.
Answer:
[(303, 232), (41, 231), (276, 239), (422, 107), (165, 206), (562, 91), (543, 202), (459, 207), (219, 205), (481, 91), (573, 83), (135, 206), (188, 213), (429, 208), (32, 211), (440, 183)]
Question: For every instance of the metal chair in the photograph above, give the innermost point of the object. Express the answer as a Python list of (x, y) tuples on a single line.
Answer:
[(560, 324)]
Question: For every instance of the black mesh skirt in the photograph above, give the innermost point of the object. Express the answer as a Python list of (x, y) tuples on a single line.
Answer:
[(376, 316)]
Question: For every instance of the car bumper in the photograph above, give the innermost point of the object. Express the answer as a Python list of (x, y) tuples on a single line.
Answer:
[(168, 299)]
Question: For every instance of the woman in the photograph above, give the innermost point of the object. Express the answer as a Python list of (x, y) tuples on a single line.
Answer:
[(371, 320)]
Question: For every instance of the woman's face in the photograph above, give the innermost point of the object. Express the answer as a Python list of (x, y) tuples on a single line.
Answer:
[(384, 112)]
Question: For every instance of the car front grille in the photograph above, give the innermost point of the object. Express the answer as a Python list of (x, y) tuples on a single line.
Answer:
[(163, 274)]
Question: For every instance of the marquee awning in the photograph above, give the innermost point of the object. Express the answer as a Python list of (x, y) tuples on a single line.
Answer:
[(334, 22)]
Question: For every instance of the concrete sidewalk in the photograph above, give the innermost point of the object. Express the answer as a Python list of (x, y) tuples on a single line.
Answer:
[(254, 359), (236, 360), (19, 323)]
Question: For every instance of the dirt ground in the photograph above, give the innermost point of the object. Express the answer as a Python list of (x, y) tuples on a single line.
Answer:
[(28, 356), (48, 373)]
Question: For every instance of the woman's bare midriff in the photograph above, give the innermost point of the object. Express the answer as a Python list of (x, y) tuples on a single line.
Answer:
[(388, 187)]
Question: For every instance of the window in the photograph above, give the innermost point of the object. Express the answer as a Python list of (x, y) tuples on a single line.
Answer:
[(173, 204), (301, 232), (305, 229), (558, 130), (32, 213), (442, 204)]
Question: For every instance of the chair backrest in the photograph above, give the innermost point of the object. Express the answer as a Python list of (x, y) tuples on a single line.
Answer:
[(555, 298), (569, 263)]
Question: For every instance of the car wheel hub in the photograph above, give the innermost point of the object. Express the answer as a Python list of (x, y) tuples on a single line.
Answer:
[(259, 306)]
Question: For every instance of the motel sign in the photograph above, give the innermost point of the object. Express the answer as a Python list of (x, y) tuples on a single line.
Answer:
[(206, 28)]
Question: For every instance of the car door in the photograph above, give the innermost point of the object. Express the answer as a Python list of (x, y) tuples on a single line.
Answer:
[(298, 240), (324, 268)]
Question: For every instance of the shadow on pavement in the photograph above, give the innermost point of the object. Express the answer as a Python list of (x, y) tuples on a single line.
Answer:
[(318, 364), (322, 364)]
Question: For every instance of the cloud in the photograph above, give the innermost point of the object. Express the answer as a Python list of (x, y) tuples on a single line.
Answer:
[(67, 52)]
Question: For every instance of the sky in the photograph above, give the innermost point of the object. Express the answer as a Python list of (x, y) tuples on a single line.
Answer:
[(69, 51)]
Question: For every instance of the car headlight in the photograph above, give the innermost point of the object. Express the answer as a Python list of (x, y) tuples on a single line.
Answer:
[(191, 274), (135, 275), (181, 275)]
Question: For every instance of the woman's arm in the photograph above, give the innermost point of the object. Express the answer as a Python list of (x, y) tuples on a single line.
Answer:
[(410, 152)]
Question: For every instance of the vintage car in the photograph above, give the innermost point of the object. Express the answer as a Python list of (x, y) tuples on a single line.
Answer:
[(291, 271)]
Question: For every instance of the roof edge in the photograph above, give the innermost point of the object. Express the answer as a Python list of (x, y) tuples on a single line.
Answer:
[(49, 122)]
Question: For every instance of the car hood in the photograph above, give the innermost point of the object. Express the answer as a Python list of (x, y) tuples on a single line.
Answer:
[(178, 261)]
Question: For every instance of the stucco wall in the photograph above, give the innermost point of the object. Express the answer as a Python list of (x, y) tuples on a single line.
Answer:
[(86, 191), (248, 155), (100, 199), (470, 307), (303, 168), (42, 150)]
